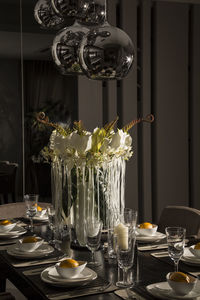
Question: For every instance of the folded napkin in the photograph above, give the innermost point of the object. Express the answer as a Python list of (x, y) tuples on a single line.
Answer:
[(160, 254), (152, 247), (124, 294), (41, 261)]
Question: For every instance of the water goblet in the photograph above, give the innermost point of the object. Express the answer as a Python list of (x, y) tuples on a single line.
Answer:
[(125, 248), (129, 217), (31, 201), (93, 230), (176, 243)]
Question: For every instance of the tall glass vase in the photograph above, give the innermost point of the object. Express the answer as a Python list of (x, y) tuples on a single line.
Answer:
[(81, 192)]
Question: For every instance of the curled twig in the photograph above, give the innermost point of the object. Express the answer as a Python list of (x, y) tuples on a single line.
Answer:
[(149, 118)]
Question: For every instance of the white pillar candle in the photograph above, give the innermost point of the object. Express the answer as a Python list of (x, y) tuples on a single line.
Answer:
[(122, 236)]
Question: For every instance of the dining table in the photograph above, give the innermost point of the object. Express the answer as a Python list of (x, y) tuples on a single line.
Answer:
[(151, 264)]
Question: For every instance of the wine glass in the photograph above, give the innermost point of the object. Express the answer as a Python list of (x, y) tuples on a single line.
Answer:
[(125, 248), (129, 217), (31, 201), (51, 219), (176, 243), (93, 230)]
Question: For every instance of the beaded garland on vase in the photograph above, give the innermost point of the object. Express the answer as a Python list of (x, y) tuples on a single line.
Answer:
[(88, 173)]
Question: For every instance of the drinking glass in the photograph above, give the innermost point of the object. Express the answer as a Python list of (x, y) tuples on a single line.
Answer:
[(51, 219), (125, 248), (93, 238), (31, 201), (129, 217), (176, 243)]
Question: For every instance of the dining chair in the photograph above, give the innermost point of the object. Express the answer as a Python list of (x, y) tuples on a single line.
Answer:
[(6, 296), (15, 210), (182, 216), (8, 176)]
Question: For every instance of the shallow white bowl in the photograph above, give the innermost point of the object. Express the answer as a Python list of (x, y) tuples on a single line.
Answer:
[(195, 252), (147, 231), (71, 272), (181, 288), (41, 213), (7, 228), (29, 247)]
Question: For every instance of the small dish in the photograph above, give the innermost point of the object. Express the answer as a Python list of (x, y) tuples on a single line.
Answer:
[(42, 251), (8, 226), (73, 272), (195, 252), (41, 213), (147, 231), (29, 246), (182, 288), (51, 276)]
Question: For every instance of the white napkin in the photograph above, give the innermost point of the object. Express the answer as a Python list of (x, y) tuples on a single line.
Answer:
[(160, 254), (152, 247), (123, 294)]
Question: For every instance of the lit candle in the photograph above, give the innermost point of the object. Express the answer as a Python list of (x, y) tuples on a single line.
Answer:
[(122, 236)]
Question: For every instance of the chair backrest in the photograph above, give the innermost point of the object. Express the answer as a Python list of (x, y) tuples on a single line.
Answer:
[(8, 172), (182, 216), (16, 210)]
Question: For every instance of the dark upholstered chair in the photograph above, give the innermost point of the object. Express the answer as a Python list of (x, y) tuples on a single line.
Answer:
[(183, 216), (8, 175)]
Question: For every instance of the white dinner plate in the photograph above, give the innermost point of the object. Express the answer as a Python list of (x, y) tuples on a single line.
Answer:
[(162, 290), (15, 232), (51, 276), (43, 218), (151, 238), (190, 258), (41, 251)]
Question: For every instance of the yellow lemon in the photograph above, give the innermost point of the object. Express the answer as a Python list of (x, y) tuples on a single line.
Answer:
[(180, 277), (197, 246), (146, 225), (5, 222), (69, 263), (30, 239), (38, 207)]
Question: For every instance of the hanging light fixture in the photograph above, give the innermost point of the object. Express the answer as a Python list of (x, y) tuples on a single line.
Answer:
[(46, 16), (65, 49), (67, 8), (106, 52), (66, 44)]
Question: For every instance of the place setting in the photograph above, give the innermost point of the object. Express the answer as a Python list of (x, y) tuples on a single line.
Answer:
[(147, 233), (191, 255), (178, 285), (9, 229)]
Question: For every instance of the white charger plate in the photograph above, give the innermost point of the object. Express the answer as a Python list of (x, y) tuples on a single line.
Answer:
[(51, 276), (150, 238), (43, 218), (162, 290), (41, 251), (15, 232)]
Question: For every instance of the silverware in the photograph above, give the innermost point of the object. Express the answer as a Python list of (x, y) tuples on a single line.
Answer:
[(39, 261), (78, 292)]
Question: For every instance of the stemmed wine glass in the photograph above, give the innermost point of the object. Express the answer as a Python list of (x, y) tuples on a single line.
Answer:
[(31, 201), (93, 230), (125, 248), (176, 243)]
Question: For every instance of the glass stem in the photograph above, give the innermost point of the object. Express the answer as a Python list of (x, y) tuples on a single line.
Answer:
[(31, 220), (125, 275), (176, 265), (93, 258)]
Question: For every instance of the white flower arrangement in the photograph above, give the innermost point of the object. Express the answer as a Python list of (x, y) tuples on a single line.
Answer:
[(79, 146)]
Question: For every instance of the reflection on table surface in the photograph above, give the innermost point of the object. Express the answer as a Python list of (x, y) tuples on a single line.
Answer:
[(151, 269)]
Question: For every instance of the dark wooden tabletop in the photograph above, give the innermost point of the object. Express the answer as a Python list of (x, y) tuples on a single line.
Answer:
[(151, 270)]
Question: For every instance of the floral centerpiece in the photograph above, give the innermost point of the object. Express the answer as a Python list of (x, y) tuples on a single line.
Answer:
[(88, 172)]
